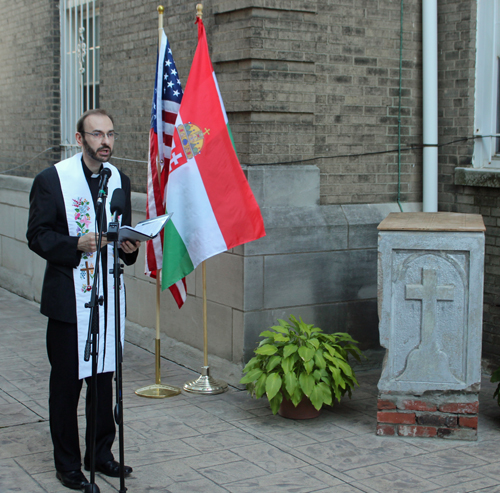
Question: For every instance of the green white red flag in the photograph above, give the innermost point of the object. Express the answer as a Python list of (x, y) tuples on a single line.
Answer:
[(213, 206)]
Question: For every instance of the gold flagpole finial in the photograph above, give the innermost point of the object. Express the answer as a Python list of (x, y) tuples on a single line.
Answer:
[(160, 23), (199, 10)]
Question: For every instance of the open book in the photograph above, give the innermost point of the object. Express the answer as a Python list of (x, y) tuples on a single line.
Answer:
[(144, 230)]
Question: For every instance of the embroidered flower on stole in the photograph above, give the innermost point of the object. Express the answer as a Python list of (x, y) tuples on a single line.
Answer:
[(82, 220)]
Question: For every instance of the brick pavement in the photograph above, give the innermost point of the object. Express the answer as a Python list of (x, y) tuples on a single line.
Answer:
[(228, 442)]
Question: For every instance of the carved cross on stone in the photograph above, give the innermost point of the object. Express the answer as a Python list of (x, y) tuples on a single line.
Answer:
[(428, 362), (88, 269), (429, 293)]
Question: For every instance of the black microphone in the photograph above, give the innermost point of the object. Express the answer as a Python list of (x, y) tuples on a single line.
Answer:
[(103, 184), (117, 203), (117, 206)]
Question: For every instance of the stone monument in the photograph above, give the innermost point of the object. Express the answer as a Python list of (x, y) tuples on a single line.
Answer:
[(430, 304)]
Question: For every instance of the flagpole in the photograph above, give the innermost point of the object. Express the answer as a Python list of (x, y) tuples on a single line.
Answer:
[(158, 391), (204, 384), (157, 340), (205, 319)]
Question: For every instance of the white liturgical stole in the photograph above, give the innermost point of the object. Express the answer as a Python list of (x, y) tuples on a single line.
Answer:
[(81, 219)]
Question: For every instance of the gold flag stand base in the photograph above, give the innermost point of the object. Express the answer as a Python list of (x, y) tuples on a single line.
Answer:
[(205, 384), (158, 390)]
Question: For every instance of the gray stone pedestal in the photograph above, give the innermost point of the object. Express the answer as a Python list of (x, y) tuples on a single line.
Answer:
[(430, 304)]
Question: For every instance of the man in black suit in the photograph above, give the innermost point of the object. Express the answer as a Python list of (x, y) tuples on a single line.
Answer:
[(63, 203)]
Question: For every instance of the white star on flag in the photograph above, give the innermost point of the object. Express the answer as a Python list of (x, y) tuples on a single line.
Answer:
[(162, 127)]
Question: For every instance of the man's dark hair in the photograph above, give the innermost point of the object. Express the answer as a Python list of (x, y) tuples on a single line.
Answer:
[(97, 111)]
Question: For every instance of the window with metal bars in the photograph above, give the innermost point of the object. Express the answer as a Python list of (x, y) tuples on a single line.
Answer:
[(80, 49), (487, 86)]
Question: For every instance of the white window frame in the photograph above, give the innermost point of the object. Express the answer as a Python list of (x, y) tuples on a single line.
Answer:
[(79, 85), (487, 83)]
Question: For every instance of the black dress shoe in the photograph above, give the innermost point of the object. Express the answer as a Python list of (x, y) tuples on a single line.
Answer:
[(75, 480), (110, 468)]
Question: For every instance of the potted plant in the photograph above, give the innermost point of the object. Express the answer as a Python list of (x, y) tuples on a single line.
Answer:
[(296, 362)]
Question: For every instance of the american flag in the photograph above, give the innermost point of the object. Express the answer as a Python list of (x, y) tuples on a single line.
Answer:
[(166, 101)]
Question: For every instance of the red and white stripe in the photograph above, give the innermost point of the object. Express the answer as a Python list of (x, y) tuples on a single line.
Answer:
[(159, 152)]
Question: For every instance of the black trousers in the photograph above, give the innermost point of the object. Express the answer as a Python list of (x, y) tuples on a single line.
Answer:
[(64, 393)]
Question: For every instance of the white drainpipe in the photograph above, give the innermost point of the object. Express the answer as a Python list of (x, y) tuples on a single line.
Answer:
[(430, 104)]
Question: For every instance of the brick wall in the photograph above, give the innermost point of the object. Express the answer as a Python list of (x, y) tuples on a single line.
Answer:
[(29, 88), (359, 102), (300, 81), (456, 64), (129, 41), (451, 415), (486, 201), (457, 35), (303, 81)]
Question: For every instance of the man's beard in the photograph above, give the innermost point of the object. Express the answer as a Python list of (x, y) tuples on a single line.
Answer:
[(93, 154)]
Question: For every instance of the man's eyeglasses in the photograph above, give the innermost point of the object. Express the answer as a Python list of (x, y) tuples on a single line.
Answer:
[(100, 135)]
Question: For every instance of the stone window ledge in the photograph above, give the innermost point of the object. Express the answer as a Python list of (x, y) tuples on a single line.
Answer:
[(477, 177)]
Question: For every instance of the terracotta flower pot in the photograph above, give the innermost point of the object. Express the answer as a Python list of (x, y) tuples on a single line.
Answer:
[(304, 410)]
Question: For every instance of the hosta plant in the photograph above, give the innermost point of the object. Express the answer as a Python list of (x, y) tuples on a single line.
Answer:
[(296, 359)]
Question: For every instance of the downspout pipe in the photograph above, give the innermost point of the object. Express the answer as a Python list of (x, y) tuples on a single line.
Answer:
[(399, 104), (430, 105)]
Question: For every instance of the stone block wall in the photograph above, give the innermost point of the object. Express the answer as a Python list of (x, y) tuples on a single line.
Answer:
[(20, 270), (318, 262)]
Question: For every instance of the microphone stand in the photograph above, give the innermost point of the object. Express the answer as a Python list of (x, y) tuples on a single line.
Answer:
[(91, 345), (113, 233)]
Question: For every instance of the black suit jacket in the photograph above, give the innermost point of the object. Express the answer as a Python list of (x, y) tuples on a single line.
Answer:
[(48, 236)]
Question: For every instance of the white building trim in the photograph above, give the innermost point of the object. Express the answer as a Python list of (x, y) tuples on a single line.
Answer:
[(487, 83)]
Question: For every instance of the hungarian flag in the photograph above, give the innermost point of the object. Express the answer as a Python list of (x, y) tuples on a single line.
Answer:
[(212, 204), (166, 102)]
